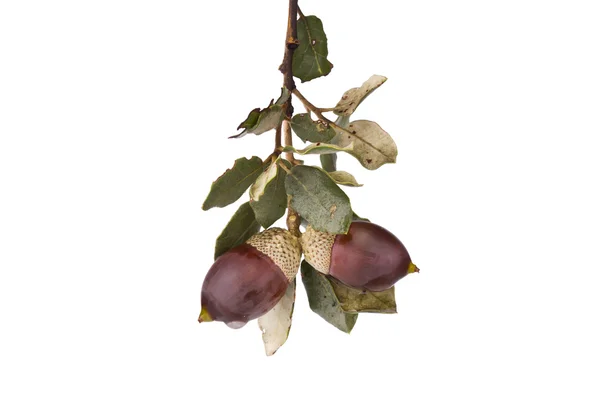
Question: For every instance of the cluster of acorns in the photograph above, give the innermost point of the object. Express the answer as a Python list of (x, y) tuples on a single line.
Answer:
[(248, 280)]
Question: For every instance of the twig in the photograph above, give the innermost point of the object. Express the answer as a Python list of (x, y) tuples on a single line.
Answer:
[(277, 140), (291, 43), (300, 13), (318, 111), (309, 105), (287, 136)]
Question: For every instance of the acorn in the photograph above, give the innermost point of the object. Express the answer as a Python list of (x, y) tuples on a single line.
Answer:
[(248, 280), (368, 257)]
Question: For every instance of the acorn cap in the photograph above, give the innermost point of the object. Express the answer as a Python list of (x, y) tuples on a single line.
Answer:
[(317, 247), (281, 246)]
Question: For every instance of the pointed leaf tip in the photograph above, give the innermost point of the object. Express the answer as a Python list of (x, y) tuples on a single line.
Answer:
[(260, 121), (352, 98), (344, 178), (241, 227), (233, 183)]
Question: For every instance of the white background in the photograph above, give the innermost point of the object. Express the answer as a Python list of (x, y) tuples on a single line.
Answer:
[(114, 118)]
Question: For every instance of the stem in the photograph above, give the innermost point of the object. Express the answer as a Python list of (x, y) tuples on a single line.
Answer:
[(284, 167), (301, 14), (287, 136), (327, 160), (318, 111), (291, 43), (310, 106), (277, 139)]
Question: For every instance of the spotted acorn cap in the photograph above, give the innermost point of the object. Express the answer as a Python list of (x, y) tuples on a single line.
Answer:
[(280, 246), (317, 248)]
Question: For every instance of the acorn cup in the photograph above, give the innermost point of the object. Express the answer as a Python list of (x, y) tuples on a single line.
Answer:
[(248, 280), (368, 257)]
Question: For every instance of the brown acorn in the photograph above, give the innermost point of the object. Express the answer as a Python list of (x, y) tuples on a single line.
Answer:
[(248, 280), (368, 257)]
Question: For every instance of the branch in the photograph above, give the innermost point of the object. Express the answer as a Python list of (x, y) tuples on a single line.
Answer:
[(291, 43), (287, 138), (277, 139)]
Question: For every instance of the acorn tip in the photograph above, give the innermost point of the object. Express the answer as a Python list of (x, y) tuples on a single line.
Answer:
[(204, 316), (413, 268)]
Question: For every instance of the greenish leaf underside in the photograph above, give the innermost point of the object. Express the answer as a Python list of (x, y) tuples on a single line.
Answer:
[(323, 301), (320, 148), (272, 202), (353, 97), (260, 121), (355, 300), (371, 145), (344, 178), (329, 162), (318, 199), (275, 325)]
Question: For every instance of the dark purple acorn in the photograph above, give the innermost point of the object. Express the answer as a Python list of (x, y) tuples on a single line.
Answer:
[(368, 257), (248, 280)]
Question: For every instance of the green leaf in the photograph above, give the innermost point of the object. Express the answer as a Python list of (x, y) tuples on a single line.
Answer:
[(312, 131), (355, 300), (310, 57), (371, 145), (355, 217), (233, 183), (267, 195), (344, 178), (343, 121), (320, 148), (318, 199), (329, 162), (353, 97), (239, 229), (323, 301), (258, 187), (275, 325), (260, 121)]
